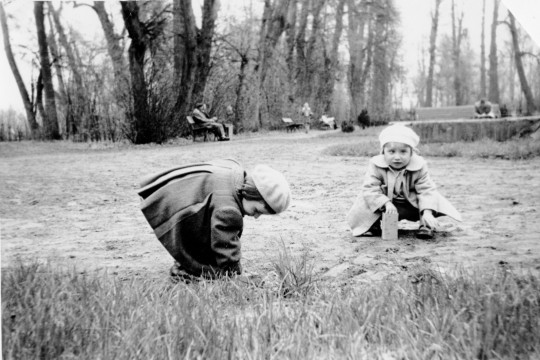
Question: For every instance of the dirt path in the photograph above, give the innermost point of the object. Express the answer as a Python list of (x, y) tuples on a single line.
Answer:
[(74, 205)]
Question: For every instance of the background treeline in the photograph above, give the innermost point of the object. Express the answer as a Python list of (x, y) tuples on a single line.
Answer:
[(156, 59)]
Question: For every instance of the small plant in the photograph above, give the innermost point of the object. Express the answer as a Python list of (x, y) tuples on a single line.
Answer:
[(295, 274)]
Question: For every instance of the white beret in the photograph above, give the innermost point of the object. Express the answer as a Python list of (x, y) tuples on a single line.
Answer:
[(399, 133), (273, 187)]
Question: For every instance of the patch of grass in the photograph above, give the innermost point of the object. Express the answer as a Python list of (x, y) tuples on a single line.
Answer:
[(51, 313), (485, 149), (295, 274)]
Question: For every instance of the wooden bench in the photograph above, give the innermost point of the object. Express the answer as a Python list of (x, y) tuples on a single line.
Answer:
[(451, 112), (200, 129), (291, 125)]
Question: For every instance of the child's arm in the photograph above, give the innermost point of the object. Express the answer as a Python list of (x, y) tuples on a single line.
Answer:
[(372, 188), (426, 191), (427, 198)]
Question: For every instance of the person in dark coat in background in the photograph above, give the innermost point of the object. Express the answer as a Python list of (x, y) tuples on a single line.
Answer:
[(197, 210), (363, 119)]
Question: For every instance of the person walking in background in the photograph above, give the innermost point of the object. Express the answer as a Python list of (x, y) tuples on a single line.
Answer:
[(398, 181), (200, 116), (197, 210)]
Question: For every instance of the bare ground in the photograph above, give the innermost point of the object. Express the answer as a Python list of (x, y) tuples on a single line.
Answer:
[(76, 205)]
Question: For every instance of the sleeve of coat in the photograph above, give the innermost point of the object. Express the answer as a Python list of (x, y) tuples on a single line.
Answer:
[(426, 191), (227, 224), (372, 189)]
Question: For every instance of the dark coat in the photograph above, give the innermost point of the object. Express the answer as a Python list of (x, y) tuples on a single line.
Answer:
[(197, 214)]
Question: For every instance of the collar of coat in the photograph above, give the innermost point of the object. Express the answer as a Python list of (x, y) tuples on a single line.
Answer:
[(416, 163)]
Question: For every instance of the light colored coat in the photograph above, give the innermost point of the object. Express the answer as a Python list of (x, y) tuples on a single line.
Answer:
[(378, 188), (197, 214)]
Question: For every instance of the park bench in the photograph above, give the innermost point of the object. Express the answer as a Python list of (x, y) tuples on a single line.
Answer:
[(451, 112), (200, 129), (290, 125)]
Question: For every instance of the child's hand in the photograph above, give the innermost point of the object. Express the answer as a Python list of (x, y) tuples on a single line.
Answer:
[(390, 208), (429, 220)]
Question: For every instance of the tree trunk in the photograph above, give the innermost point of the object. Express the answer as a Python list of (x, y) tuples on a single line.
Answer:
[(380, 91), (323, 100), (50, 120), (114, 49), (359, 63), (483, 53), (27, 102), (457, 35), (493, 59), (76, 98), (432, 53), (519, 67), (141, 130), (62, 95), (192, 50), (290, 59), (273, 25)]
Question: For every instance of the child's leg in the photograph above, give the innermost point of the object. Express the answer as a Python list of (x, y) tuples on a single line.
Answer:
[(406, 210)]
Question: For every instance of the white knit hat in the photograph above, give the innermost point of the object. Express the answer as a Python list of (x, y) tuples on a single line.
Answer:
[(399, 133), (273, 187)]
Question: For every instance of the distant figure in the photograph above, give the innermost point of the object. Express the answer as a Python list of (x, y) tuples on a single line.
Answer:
[(483, 110), (363, 119), (306, 112), (397, 181), (504, 111), (200, 116)]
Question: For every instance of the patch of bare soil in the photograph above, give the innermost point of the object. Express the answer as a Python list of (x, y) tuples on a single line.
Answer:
[(76, 205)]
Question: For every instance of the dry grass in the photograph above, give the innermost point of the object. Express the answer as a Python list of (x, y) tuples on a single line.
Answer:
[(485, 149), (50, 313)]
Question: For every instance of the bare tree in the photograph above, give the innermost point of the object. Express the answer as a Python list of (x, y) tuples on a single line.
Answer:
[(50, 120), (483, 53), (326, 87), (114, 49), (432, 53), (493, 60), (360, 52), (273, 25), (525, 88), (141, 130), (457, 36), (192, 51), (27, 102)]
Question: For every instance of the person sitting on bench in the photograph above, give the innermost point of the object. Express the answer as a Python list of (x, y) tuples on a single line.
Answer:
[(483, 109), (200, 116)]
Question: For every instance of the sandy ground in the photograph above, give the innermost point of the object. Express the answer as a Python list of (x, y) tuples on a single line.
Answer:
[(76, 205)]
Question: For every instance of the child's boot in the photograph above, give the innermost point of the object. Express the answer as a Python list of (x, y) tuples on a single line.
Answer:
[(424, 233)]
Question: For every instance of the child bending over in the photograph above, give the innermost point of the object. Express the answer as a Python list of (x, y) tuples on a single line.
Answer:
[(398, 181), (197, 210)]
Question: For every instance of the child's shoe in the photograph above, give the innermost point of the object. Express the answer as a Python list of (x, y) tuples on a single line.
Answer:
[(424, 233), (374, 230), (179, 274)]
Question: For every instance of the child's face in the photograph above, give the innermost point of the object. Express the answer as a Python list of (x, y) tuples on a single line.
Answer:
[(397, 155), (254, 208)]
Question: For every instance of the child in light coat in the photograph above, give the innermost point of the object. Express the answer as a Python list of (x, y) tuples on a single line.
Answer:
[(398, 181)]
